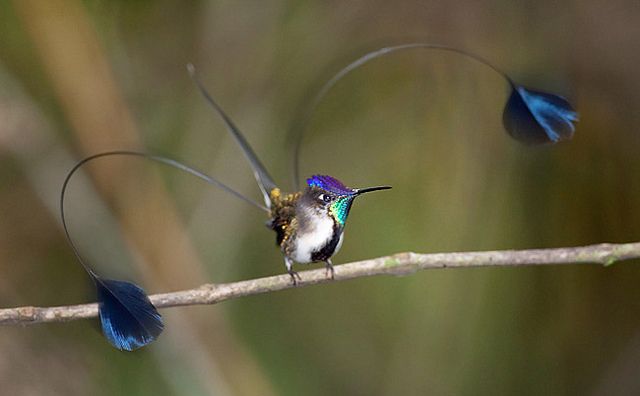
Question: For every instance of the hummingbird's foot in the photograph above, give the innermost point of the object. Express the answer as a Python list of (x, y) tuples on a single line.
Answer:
[(295, 277), (329, 272)]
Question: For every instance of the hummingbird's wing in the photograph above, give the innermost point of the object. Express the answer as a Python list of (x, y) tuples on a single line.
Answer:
[(265, 181), (531, 117)]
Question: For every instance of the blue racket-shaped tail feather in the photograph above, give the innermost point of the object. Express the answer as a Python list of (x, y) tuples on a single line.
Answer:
[(530, 117), (129, 320), (536, 117)]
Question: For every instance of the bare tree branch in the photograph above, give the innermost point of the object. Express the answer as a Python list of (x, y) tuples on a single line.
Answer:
[(397, 264)]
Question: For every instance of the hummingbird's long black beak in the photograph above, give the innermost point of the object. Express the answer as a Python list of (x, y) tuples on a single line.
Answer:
[(370, 189)]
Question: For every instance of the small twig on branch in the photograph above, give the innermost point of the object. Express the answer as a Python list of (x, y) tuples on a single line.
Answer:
[(397, 264)]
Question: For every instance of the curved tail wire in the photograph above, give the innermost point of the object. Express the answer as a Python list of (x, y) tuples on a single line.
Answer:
[(300, 126), (128, 318), (160, 159)]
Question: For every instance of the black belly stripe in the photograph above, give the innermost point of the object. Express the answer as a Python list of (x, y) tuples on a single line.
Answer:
[(327, 250)]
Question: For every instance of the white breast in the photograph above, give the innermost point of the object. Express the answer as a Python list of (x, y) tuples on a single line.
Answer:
[(319, 233)]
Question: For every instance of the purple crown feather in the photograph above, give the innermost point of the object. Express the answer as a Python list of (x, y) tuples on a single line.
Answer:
[(329, 184)]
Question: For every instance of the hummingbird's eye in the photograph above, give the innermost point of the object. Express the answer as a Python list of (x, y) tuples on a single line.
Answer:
[(326, 198)]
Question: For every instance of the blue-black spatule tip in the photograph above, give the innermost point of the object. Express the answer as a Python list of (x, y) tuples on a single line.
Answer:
[(536, 117), (129, 320)]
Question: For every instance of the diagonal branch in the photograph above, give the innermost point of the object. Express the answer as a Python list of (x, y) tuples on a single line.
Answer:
[(397, 264)]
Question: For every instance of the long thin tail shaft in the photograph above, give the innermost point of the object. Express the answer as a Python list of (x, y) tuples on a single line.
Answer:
[(157, 158), (302, 122), (129, 320), (265, 181)]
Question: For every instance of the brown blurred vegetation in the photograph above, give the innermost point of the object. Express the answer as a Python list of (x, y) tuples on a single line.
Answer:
[(78, 77)]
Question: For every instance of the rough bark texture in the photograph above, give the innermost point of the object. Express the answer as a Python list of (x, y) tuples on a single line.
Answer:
[(397, 264)]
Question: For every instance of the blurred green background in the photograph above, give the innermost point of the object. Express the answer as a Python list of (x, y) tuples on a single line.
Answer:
[(79, 77)]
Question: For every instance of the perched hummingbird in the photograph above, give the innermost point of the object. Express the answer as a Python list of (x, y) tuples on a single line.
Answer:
[(309, 224), (309, 227)]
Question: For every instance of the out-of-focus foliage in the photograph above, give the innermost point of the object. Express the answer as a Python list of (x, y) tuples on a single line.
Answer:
[(82, 77)]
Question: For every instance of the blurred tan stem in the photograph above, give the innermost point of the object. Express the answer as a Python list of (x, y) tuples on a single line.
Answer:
[(84, 84)]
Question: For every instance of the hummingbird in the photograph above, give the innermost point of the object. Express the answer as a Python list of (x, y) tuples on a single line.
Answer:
[(309, 227), (309, 223)]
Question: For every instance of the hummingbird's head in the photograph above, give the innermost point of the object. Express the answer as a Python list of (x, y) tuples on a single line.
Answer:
[(331, 196)]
